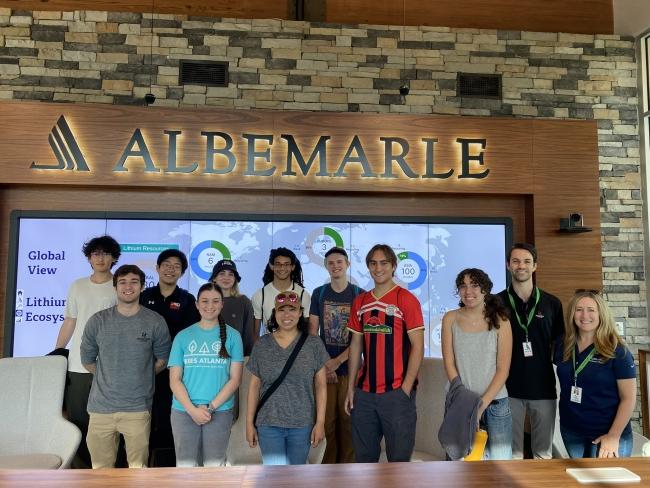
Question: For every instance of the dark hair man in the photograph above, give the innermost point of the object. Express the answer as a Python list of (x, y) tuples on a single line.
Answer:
[(178, 307), (85, 297), (536, 318), (387, 325), (283, 272), (328, 317), (124, 347)]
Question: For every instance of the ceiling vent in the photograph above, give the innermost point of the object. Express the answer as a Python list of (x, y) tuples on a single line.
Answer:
[(478, 85), (206, 73)]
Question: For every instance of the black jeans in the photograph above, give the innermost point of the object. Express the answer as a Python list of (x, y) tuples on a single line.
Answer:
[(75, 400), (391, 415)]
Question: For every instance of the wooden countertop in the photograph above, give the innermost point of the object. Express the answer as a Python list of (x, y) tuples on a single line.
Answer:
[(519, 474)]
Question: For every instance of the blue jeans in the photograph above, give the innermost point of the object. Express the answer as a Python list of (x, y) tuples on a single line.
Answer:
[(497, 421), (280, 445), (581, 446)]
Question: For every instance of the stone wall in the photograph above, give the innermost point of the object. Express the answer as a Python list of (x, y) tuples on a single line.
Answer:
[(103, 57)]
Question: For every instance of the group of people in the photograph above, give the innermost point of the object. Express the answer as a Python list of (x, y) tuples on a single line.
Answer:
[(163, 368), (502, 348)]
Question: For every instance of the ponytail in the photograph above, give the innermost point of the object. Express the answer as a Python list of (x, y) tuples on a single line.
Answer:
[(223, 352)]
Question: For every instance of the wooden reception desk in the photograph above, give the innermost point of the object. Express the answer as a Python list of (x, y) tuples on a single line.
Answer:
[(502, 474)]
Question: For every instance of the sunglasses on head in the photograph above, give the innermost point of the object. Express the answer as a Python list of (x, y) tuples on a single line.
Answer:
[(287, 297), (587, 290)]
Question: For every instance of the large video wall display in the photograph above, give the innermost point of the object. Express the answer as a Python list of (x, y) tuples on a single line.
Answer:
[(47, 258)]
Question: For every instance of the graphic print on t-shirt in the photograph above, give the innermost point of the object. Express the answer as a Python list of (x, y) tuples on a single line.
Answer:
[(335, 323), (379, 317), (207, 355)]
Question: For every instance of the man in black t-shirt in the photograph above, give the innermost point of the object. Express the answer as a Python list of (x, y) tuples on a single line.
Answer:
[(536, 319), (178, 308)]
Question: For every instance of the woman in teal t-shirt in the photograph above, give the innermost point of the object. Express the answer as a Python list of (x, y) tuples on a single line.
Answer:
[(205, 369)]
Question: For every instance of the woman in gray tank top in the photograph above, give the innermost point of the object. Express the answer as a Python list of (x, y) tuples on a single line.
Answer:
[(477, 345)]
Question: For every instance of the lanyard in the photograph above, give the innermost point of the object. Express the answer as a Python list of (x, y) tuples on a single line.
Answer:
[(584, 363), (531, 314)]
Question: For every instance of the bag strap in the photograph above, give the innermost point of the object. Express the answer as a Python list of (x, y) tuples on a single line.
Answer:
[(283, 374), (320, 301)]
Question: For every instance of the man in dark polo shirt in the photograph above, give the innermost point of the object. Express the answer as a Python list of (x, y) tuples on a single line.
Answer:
[(536, 319), (178, 308)]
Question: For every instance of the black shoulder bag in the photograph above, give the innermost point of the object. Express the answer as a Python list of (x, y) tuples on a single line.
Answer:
[(283, 374)]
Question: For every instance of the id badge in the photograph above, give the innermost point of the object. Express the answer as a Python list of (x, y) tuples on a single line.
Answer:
[(528, 349), (576, 394)]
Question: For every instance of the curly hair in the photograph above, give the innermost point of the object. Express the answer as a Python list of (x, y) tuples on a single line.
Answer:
[(494, 308), (296, 274), (102, 243)]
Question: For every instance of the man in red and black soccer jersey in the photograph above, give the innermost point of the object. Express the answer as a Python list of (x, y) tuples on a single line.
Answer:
[(387, 325)]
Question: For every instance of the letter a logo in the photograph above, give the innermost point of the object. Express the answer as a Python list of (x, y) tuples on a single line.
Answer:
[(65, 148)]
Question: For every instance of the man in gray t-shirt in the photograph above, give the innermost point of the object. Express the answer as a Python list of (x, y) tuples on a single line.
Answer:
[(124, 347)]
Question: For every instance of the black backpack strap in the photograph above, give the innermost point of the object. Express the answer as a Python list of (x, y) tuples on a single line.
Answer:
[(283, 374), (320, 301)]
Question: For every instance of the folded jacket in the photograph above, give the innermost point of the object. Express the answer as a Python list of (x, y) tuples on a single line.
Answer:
[(456, 434)]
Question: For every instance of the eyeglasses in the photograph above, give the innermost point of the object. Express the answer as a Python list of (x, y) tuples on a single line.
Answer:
[(100, 254), (175, 267), (287, 297)]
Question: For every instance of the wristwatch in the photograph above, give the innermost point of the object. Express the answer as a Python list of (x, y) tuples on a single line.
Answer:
[(211, 409)]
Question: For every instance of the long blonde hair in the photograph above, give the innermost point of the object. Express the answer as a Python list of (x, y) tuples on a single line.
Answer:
[(606, 338)]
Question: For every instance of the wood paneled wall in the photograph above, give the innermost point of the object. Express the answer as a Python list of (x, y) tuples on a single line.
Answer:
[(104, 132), (241, 9), (577, 16)]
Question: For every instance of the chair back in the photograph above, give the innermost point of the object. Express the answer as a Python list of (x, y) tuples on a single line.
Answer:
[(430, 403), (31, 420)]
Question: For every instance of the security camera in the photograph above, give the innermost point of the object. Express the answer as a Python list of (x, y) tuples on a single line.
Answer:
[(575, 220), (404, 89), (574, 223), (149, 98)]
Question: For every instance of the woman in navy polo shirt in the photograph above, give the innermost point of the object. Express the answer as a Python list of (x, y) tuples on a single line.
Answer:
[(597, 381)]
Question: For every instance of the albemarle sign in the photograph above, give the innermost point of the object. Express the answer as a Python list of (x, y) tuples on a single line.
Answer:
[(258, 159), (116, 146)]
